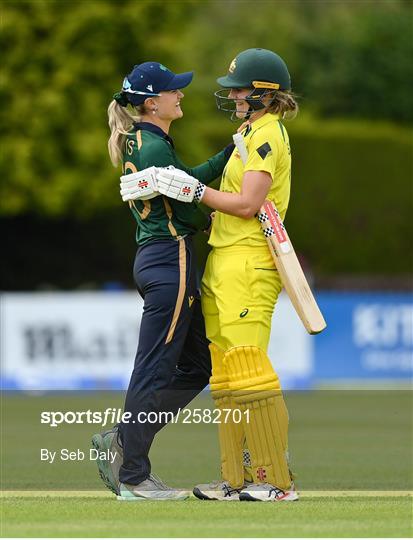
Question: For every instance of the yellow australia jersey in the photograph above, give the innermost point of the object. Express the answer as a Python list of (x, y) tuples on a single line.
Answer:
[(268, 150)]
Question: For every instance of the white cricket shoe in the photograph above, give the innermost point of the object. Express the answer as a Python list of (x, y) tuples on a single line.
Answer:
[(151, 489), (267, 493), (216, 491)]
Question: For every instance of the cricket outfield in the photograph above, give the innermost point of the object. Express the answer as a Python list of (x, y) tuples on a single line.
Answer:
[(351, 451)]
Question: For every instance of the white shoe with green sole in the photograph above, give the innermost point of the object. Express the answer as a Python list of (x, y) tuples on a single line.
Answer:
[(152, 489)]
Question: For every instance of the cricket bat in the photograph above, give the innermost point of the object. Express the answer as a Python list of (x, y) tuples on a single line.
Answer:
[(286, 262)]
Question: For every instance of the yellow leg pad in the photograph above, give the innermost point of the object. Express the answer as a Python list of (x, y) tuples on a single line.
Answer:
[(284, 419), (256, 390), (248, 474), (231, 434)]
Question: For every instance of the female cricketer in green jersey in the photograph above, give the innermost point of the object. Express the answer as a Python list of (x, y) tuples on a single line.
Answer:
[(172, 363), (240, 285)]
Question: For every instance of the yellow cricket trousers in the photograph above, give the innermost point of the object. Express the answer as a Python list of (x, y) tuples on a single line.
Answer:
[(240, 288)]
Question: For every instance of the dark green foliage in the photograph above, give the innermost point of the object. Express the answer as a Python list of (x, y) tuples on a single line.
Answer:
[(359, 64), (351, 207), (62, 61)]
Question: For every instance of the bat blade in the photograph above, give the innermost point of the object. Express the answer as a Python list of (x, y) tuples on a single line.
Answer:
[(289, 268)]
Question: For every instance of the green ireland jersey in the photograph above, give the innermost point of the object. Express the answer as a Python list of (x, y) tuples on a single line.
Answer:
[(146, 145)]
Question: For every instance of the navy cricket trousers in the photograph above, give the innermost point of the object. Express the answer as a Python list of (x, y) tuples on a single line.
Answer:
[(172, 362)]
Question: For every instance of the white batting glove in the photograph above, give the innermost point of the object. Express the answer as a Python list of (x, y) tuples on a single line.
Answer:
[(140, 185), (179, 185)]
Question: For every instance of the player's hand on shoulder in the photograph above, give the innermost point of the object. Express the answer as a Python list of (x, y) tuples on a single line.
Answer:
[(177, 184), (208, 229), (141, 185)]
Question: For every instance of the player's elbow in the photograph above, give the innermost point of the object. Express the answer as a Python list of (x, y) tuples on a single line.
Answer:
[(247, 212)]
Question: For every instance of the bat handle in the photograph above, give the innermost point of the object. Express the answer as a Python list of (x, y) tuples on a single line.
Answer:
[(240, 144)]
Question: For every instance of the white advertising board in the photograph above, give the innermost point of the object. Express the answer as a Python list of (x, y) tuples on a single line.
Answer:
[(71, 341)]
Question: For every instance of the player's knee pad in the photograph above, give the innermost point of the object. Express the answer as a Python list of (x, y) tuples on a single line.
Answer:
[(251, 374), (231, 434), (256, 390)]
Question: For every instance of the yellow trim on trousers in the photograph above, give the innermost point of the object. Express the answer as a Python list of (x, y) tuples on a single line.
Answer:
[(181, 290)]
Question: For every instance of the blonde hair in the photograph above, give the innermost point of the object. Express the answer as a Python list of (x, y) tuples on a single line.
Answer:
[(120, 123), (285, 104)]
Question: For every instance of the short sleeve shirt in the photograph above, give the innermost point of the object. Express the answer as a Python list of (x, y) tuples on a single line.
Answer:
[(268, 149)]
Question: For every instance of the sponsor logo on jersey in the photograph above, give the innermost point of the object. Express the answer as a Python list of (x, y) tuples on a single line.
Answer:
[(190, 300), (244, 313)]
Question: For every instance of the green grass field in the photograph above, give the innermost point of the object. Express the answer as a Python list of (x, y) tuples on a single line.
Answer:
[(352, 452), (312, 516)]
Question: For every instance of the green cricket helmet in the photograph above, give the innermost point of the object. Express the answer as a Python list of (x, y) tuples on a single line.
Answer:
[(259, 69)]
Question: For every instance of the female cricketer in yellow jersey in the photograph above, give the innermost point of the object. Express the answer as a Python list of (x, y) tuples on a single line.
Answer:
[(240, 285)]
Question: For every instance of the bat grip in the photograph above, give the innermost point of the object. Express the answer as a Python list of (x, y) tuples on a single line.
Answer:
[(240, 144)]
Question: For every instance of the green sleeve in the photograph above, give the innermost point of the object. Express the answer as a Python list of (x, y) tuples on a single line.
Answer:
[(160, 153), (209, 170)]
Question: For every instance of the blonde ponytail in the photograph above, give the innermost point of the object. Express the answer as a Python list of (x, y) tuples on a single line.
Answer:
[(285, 104), (120, 123)]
